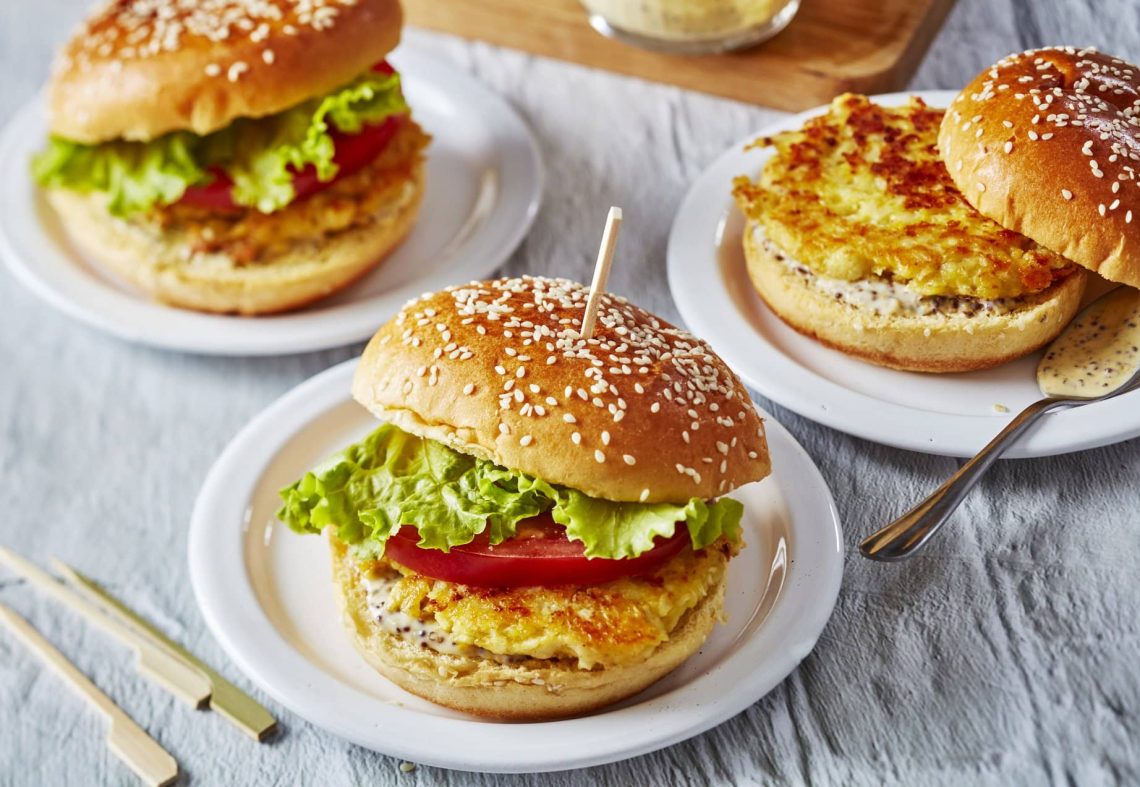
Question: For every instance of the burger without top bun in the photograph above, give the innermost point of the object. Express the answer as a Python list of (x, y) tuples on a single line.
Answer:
[(234, 155), (858, 237), (537, 528)]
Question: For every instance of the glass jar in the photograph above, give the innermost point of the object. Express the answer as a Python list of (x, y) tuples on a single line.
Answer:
[(691, 26)]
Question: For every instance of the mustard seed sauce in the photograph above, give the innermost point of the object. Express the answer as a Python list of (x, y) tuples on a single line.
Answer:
[(1099, 352)]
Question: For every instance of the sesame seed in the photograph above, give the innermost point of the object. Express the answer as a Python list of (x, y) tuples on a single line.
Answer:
[(236, 69), (213, 70), (1066, 194), (525, 440), (599, 457), (268, 57), (1008, 147), (644, 495), (469, 389), (576, 438)]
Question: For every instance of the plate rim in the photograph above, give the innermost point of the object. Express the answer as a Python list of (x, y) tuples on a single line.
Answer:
[(224, 595), (153, 324), (784, 380)]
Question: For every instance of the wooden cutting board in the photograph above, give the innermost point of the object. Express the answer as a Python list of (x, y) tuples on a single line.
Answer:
[(865, 46)]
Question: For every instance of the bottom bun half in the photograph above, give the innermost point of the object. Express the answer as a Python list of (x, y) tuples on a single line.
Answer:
[(910, 341), (169, 270), (530, 690)]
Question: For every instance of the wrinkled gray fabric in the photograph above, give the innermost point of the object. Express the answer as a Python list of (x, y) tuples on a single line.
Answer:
[(1007, 654)]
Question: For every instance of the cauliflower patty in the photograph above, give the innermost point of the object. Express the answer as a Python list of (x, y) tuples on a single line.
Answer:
[(861, 191), (612, 624)]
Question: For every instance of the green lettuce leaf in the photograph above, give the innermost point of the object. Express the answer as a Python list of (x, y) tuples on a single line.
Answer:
[(390, 479), (259, 155)]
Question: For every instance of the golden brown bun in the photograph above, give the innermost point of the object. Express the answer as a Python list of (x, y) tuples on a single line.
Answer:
[(128, 74), (166, 268), (530, 690), (497, 370), (908, 341), (1013, 146)]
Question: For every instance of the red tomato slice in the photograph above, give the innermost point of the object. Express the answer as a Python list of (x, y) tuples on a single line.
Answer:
[(353, 152), (540, 554)]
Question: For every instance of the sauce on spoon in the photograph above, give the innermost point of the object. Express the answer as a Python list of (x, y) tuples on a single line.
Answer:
[(1098, 352)]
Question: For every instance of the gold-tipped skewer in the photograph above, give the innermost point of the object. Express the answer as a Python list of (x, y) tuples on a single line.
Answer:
[(227, 699), (181, 679), (141, 753)]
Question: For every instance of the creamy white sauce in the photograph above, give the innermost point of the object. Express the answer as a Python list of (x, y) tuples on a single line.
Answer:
[(426, 633), (883, 296), (685, 20)]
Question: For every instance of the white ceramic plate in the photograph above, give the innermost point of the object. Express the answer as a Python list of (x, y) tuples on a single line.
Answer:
[(484, 184), (953, 414), (267, 595)]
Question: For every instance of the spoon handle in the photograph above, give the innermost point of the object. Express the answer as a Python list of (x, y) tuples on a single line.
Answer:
[(907, 534)]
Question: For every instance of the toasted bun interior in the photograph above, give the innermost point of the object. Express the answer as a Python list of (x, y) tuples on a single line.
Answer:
[(138, 68), (952, 342), (642, 411), (1047, 144)]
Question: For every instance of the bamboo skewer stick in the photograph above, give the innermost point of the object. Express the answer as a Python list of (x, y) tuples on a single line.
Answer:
[(601, 271), (141, 753), (182, 680), (232, 703)]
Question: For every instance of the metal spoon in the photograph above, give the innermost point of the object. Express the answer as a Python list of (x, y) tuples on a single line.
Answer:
[(1096, 358)]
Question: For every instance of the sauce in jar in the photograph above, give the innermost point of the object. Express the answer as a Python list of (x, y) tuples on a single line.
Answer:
[(689, 26)]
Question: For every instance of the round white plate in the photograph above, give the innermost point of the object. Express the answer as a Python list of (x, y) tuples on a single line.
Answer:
[(267, 595), (952, 414), (484, 185)]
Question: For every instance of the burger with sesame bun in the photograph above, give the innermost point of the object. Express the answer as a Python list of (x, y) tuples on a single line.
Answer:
[(1047, 143), (538, 527), (243, 156)]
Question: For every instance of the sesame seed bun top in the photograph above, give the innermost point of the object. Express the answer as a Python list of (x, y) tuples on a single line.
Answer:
[(1047, 143), (641, 411), (137, 69)]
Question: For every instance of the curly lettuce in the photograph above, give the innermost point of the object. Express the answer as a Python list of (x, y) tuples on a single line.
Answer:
[(259, 155), (390, 479)]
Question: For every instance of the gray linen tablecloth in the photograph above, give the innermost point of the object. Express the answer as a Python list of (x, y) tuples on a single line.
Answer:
[(1009, 653)]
